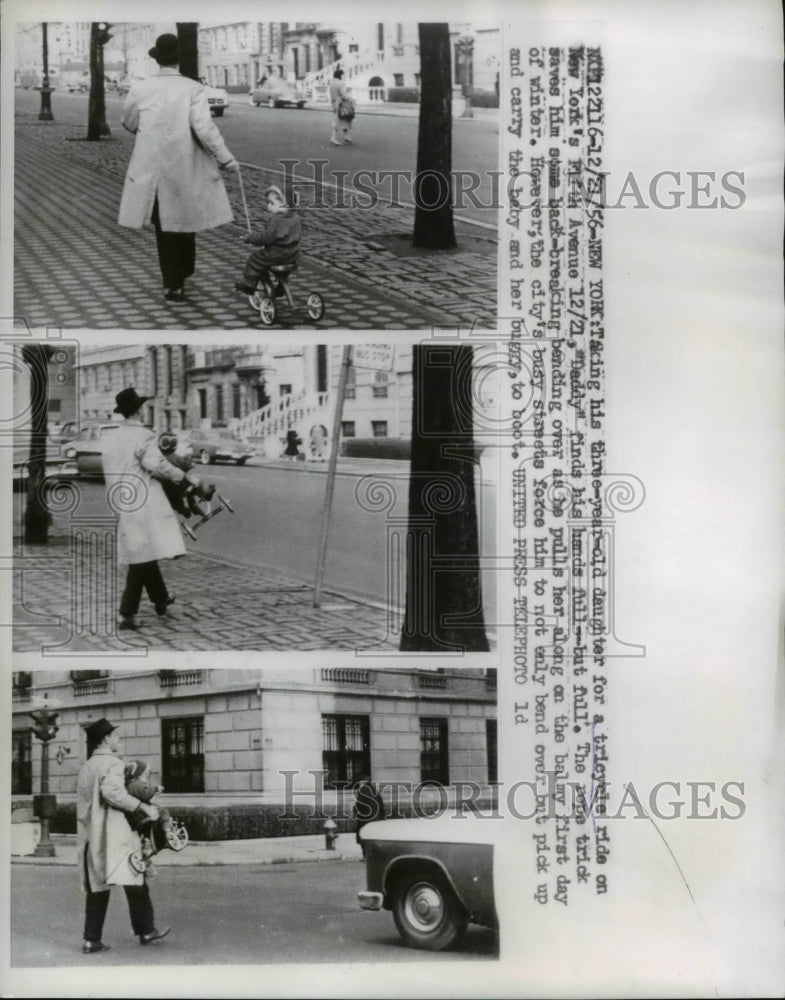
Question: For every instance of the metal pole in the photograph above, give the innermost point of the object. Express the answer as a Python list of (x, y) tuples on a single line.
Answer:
[(245, 203), (330, 487), (45, 114)]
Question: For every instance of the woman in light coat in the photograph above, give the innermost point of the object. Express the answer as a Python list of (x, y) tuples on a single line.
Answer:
[(147, 528), (106, 841), (173, 179)]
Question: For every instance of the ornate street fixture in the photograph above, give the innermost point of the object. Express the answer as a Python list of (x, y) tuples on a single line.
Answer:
[(45, 728)]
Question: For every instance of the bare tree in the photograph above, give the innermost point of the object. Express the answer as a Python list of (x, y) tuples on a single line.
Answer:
[(444, 608), (433, 193), (96, 105), (37, 517), (188, 37)]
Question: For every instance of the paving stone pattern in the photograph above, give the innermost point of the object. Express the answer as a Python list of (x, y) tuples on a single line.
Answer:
[(76, 268)]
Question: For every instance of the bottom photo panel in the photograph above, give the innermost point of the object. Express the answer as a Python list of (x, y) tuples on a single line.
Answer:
[(275, 815)]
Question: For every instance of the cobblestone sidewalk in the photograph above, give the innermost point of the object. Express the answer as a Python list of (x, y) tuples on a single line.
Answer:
[(76, 268), (66, 594)]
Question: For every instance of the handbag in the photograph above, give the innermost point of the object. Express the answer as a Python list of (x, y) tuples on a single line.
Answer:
[(346, 109)]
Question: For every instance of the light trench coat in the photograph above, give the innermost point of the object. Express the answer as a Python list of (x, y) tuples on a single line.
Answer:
[(147, 527), (176, 156), (103, 832)]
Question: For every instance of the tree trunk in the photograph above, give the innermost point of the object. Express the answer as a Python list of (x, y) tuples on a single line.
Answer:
[(443, 594), (188, 36), (37, 517), (433, 191), (96, 105)]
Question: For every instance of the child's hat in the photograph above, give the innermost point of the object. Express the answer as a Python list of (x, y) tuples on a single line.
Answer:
[(134, 768)]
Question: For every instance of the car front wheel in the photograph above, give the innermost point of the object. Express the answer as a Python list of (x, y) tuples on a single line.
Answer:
[(426, 912), (218, 112), (205, 457), (272, 103)]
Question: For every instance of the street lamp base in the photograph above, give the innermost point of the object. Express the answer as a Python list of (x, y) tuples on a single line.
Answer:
[(45, 114), (44, 850)]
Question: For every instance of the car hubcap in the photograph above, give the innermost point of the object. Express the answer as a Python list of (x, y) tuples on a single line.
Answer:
[(424, 907)]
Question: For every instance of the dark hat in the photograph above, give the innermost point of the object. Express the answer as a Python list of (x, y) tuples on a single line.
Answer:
[(166, 49), (128, 402), (98, 730)]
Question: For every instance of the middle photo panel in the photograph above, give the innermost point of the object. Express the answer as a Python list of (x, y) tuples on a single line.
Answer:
[(266, 496)]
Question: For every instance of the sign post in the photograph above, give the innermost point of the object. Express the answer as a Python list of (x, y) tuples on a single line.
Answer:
[(331, 470)]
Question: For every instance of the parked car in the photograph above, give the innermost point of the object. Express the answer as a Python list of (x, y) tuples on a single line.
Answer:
[(65, 432), (277, 93), (217, 445), (85, 449), (435, 874), (216, 97)]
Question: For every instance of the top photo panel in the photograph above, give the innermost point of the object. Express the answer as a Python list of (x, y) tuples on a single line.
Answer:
[(250, 175)]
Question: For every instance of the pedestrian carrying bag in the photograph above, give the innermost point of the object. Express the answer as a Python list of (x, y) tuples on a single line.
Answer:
[(346, 109)]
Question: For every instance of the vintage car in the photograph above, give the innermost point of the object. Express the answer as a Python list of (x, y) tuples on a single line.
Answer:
[(217, 98), (219, 445), (434, 873), (277, 93), (85, 449)]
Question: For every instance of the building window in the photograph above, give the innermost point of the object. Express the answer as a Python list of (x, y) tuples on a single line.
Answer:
[(202, 403), (492, 750), (351, 383), (285, 389), (398, 77), (237, 401), (434, 766), (379, 428), (347, 428), (182, 759), (55, 405), (22, 763), (169, 372), (321, 368), (379, 388), (354, 47), (219, 402), (346, 750), (399, 33)]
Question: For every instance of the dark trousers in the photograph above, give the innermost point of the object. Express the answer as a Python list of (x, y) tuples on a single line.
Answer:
[(176, 253), (140, 908), (143, 576)]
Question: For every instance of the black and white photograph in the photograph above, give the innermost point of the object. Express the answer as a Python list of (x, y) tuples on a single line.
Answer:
[(253, 816), (261, 496), (391, 548), (337, 174)]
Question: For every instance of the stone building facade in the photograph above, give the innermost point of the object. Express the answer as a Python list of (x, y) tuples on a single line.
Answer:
[(233, 735)]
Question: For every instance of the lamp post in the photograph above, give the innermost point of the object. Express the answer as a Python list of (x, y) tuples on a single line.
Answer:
[(45, 114), (465, 51), (44, 805)]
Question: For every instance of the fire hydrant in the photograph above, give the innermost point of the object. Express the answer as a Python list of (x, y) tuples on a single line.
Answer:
[(330, 834)]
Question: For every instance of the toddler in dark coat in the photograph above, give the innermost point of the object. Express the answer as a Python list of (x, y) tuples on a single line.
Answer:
[(155, 834), (278, 243)]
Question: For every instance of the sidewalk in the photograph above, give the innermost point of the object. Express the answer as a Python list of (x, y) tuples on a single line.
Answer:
[(265, 851), (392, 109), (98, 275)]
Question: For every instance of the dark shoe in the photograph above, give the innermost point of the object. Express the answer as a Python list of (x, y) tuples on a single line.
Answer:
[(160, 609), (176, 295), (93, 947), (245, 289), (128, 624), (154, 935)]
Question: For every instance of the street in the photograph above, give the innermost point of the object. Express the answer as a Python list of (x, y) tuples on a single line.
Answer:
[(247, 582), (262, 136), (303, 913)]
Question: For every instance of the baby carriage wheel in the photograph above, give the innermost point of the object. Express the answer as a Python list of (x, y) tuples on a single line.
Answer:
[(267, 310), (177, 837), (315, 306), (138, 863)]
